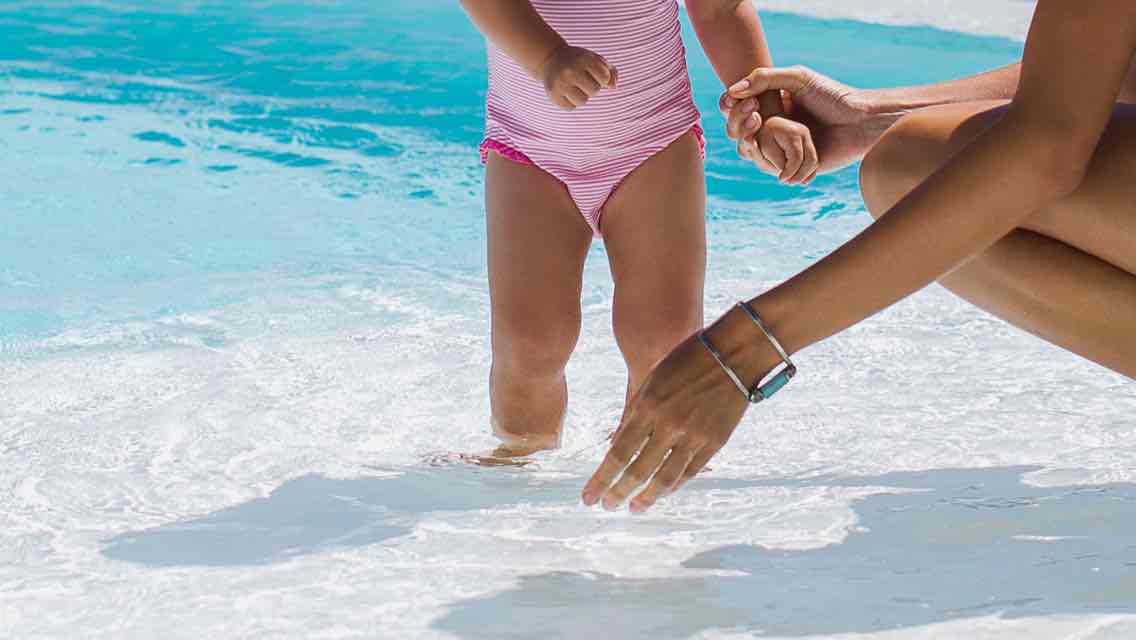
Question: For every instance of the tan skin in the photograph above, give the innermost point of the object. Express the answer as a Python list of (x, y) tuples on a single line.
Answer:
[(653, 224), (1024, 208)]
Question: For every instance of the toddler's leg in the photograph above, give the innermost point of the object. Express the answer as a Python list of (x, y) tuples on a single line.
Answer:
[(654, 227), (537, 244)]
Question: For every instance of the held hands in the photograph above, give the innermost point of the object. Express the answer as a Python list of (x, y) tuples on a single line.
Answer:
[(840, 120), (784, 148), (572, 76), (778, 145)]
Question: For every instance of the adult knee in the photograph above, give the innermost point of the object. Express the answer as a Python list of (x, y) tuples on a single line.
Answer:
[(904, 156)]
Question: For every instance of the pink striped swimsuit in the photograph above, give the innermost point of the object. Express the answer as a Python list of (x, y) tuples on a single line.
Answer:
[(594, 147)]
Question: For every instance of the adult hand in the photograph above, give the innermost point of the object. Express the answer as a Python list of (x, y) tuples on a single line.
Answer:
[(685, 412), (842, 121)]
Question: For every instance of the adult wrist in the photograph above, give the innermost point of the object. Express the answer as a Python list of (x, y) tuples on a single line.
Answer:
[(879, 111), (743, 346)]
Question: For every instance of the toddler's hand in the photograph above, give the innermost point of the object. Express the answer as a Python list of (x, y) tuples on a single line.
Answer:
[(572, 75), (784, 148)]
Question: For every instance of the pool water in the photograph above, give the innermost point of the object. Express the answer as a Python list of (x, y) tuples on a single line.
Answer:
[(242, 297)]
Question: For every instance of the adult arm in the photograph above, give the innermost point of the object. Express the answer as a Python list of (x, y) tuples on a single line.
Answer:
[(1037, 153), (846, 122)]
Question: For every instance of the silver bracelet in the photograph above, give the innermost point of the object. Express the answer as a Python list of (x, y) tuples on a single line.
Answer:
[(759, 391)]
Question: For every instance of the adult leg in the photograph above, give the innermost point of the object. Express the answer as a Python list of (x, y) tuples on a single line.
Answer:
[(537, 242), (654, 227), (1068, 274)]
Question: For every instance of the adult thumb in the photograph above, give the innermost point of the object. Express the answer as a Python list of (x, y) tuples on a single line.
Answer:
[(762, 79)]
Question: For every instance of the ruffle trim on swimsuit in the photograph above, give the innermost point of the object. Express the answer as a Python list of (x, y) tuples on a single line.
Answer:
[(505, 150), (700, 135), (489, 144)]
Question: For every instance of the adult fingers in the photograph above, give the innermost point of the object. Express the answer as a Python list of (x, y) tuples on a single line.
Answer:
[(725, 103), (640, 471), (665, 480), (631, 435), (791, 79), (738, 115), (697, 463)]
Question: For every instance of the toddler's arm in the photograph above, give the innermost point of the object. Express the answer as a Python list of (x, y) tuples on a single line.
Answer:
[(571, 75), (731, 34)]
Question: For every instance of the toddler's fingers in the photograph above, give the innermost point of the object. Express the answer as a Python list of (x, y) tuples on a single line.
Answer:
[(576, 96), (809, 164), (748, 148), (773, 155), (561, 101), (794, 149), (751, 124), (588, 84), (603, 72)]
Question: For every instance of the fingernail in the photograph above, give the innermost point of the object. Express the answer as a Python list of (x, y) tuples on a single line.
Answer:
[(730, 102), (749, 105), (610, 505), (638, 507), (753, 119), (589, 498), (740, 85)]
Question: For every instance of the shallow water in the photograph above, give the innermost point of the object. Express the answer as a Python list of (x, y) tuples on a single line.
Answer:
[(242, 295)]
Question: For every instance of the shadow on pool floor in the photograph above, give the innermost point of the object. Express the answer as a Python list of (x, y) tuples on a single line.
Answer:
[(967, 543), (315, 513), (973, 542)]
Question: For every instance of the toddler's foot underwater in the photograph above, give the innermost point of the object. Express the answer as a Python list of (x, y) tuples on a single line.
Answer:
[(514, 451)]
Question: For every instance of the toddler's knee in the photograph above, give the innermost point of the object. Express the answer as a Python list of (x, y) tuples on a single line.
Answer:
[(534, 348), (645, 343)]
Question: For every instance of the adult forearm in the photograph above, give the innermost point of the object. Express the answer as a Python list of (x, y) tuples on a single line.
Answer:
[(972, 202), (928, 234), (998, 84), (517, 29), (888, 105)]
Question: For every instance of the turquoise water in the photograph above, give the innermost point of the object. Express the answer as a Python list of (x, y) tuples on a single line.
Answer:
[(377, 107), (242, 296)]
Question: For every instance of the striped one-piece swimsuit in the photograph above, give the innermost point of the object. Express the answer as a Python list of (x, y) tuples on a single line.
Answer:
[(592, 148)]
